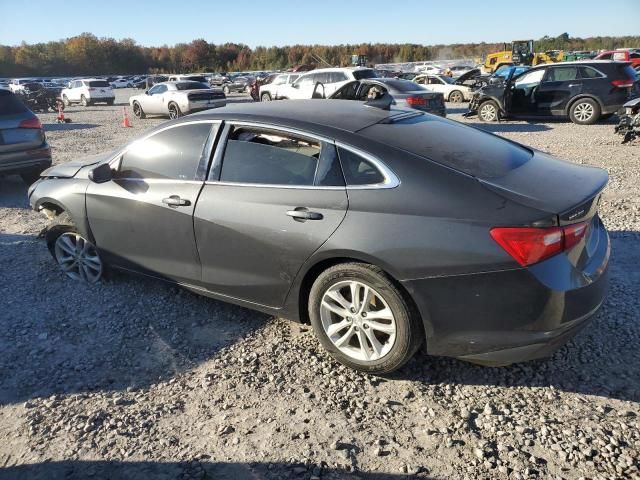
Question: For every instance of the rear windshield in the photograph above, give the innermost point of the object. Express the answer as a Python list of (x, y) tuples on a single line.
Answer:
[(99, 83), (367, 73), (191, 86), (403, 86), (9, 104), (463, 148)]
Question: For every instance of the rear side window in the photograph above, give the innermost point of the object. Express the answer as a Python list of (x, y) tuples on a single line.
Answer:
[(99, 83), (10, 105), (170, 154), (270, 157), (358, 170), (588, 72), (335, 77)]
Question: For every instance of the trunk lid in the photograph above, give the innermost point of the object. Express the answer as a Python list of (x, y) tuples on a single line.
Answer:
[(565, 189)]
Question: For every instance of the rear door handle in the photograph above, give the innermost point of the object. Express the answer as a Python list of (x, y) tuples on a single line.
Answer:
[(176, 201), (573, 85), (302, 214)]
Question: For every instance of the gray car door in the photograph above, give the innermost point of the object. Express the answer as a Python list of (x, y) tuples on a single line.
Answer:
[(142, 219), (272, 199)]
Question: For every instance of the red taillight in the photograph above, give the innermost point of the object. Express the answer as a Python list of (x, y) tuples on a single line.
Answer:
[(532, 245), (30, 123), (415, 101), (622, 83)]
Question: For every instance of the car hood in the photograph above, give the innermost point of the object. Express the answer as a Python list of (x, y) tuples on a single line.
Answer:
[(466, 76), (70, 169)]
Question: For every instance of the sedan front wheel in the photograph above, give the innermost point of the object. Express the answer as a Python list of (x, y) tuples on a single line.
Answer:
[(362, 319), (77, 257), (488, 111)]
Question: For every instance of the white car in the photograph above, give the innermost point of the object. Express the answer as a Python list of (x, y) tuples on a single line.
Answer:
[(273, 90), (330, 78), (121, 83), (425, 67), (88, 91), (452, 91), (176, 99), (17, 84)]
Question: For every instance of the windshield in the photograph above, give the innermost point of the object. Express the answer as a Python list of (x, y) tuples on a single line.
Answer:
[(99, 83), (191, 86), (365, 73), (446, 79)]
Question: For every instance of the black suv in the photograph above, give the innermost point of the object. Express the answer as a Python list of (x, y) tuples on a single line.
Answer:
[(583, 91)]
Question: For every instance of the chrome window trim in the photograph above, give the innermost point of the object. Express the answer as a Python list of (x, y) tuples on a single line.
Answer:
[(272, 185), (390, 178)]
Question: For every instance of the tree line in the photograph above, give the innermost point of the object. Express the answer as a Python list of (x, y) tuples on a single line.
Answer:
[(87, 54)]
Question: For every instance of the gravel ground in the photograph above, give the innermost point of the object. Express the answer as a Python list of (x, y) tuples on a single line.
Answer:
[(133, 378)]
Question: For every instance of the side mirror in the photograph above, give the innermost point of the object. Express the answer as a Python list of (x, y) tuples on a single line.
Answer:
[(101, 174), (295, 85)]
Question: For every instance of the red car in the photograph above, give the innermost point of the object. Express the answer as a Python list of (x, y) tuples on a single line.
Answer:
[(631, 55)]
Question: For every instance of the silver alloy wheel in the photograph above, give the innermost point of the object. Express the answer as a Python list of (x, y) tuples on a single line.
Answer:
[(137, 111), (583, 111), (78, 257), (456, 97), (173, 112), (488, 112), (357, 320), (265, 97)]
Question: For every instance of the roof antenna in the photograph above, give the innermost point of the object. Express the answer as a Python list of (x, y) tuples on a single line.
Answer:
[(382, 102)]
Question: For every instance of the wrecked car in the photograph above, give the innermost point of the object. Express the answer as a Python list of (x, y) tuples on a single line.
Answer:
[(629, 125), (582, 91)]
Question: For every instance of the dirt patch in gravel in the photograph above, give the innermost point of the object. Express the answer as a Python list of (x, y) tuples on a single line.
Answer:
[(134, 378)]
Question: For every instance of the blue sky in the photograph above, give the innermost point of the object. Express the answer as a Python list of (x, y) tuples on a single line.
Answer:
[(285, 22)]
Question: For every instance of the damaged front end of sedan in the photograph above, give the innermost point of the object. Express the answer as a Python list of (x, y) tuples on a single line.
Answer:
[(629, 125)]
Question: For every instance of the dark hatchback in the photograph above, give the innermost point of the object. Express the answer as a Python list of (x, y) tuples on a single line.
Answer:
[(584, 91), (23, 146), (383, 228)]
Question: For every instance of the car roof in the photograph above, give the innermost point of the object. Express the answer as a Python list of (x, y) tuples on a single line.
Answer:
[(315, 116)]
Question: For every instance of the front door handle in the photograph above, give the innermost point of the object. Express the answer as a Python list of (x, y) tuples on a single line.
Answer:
[(176, 201), (573, 85), (302, 214)]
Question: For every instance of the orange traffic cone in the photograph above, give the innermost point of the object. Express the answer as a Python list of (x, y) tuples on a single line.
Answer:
[(60, 117), (125, 118)]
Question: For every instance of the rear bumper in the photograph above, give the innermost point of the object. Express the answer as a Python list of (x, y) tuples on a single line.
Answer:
[(498, 318), (34, 159)]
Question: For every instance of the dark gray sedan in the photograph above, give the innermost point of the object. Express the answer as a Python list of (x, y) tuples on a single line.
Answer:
[(403, 92), (385, 229)]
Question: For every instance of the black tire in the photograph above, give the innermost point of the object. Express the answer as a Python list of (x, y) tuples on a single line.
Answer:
[(83, 101), (226, 90), (110, 102), (491, 112), (65, 101), (409, 332), (30, 176), (174, 111), (584, 111), (456, 96), (138, 112), (265, 97)]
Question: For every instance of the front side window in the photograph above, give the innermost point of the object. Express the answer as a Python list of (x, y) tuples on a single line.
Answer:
[(254, 155), (280, 79), (358, 170), (170, 154), (347, 92), (530, 79)]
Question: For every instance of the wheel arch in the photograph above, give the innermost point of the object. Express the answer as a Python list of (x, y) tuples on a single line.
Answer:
[(582, 96), (314, 270)]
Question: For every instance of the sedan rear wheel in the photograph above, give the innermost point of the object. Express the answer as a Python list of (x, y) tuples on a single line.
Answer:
[(265, 97), (488, 111), (78, 257), (174, 111), (137, 110), (362, 319)]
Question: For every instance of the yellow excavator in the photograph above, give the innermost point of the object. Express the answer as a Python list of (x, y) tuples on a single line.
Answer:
[(521, 53)]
